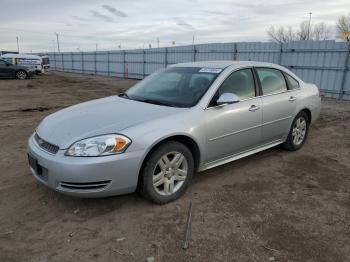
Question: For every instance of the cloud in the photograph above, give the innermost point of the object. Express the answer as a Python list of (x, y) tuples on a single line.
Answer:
[(101, 16), (79, 18), (114, 11), (183, 24)]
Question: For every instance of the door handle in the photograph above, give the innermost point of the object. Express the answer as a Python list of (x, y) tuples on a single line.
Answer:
[(292, 98), (253, 108)]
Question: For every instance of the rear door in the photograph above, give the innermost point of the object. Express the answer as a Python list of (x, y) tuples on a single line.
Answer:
[(5, 69), (234, 128), (278, 104)]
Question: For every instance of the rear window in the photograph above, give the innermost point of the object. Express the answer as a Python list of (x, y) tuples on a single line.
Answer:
[(292, 82), (272, 80)]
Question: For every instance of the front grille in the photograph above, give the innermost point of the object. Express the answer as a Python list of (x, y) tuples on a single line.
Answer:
[(84, 186), (48, 147)]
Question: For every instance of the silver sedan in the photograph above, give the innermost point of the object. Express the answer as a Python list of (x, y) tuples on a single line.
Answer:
[(180, 120)]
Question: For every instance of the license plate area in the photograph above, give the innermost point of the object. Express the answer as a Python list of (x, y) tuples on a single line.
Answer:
[(33, 163)]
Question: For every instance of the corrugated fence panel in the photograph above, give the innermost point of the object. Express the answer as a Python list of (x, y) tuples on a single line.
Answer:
[(77, 59), (155, 59), (210, 52), (257, 51), (319, 62), (67, 62), (116, 63), (180, 54)]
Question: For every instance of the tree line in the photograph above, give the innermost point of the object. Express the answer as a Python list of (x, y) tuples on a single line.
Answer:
[(307, 31)]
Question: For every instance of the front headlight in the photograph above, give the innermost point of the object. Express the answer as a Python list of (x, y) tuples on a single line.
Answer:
[(99, 146)]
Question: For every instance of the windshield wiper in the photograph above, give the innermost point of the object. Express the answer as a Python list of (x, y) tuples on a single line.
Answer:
[(155, 102)]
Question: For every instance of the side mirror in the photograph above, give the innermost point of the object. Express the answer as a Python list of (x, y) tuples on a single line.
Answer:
[(227, 98)]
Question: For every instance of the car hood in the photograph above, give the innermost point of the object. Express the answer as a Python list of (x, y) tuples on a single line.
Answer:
[(97, 117)]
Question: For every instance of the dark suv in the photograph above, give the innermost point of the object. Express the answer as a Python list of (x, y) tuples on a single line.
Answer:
[(8, 70)]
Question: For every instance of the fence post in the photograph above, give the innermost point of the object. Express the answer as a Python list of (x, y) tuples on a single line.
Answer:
[(342, 85), (108, 72), (124, 63), (280, 54), (95, 57), (72, 54), (54, 56), (234, 51), (143, 63), (82, 62), (194, 53), (62, 62), (166, 57)]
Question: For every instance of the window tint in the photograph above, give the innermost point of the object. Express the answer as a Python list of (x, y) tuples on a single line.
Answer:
[(272, 80), (240, 83), (174, 86), (292, 83)]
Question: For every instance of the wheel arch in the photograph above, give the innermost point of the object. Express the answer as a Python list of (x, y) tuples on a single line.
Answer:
[(307, 111), (181, 138), (21, 70)]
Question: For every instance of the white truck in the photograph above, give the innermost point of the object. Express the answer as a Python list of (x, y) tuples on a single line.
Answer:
[(40, 64)]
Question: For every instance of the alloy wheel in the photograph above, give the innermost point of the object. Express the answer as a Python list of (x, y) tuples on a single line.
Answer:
[(170, 173), (299, 131), (21, 75)]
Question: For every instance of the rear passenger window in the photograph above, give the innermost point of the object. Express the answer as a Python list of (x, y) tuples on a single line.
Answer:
[(272, 80), (241, 83), (292, 83)]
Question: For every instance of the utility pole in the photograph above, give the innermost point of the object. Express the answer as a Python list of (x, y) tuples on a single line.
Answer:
[(309, 30), (158, 42), (193, 40), (17, 44), (58, 43), (96, 46)]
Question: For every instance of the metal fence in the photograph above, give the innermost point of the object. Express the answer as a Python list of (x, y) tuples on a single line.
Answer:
[(325, 63)]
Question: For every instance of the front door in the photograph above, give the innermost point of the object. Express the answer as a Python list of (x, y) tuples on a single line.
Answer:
[(234, 128)]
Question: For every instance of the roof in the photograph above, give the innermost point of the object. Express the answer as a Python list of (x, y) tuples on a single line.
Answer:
[(223, 64), (21, 56)]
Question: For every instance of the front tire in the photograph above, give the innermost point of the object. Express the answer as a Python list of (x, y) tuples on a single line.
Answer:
[(298, 132), (21, 74), (167, 173)]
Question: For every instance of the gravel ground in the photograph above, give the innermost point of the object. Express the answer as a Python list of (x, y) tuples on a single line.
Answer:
[(272, 206)]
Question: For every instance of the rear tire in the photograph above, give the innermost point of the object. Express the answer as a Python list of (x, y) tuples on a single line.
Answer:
[(21, 74), (167, 172), (298, 132)]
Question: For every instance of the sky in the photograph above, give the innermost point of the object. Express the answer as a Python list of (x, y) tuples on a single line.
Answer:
[(84, 25)]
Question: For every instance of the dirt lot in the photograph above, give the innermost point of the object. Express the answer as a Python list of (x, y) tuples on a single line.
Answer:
[(273, 206)]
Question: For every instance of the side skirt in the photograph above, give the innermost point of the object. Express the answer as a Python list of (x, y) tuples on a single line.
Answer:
[(231, 158)]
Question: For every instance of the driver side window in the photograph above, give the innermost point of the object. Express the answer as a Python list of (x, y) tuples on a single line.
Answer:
[(241, 83)]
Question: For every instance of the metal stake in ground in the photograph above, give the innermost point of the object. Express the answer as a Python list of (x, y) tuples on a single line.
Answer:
[(188, 229)]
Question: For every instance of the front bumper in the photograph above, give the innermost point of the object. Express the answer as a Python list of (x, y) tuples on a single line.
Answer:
[(86, 176)]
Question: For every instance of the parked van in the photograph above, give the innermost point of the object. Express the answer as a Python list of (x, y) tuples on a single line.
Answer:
[(40, 64)]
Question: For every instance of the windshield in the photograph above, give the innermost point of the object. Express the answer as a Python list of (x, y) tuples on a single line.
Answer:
[(175, 86), (45, 60)]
